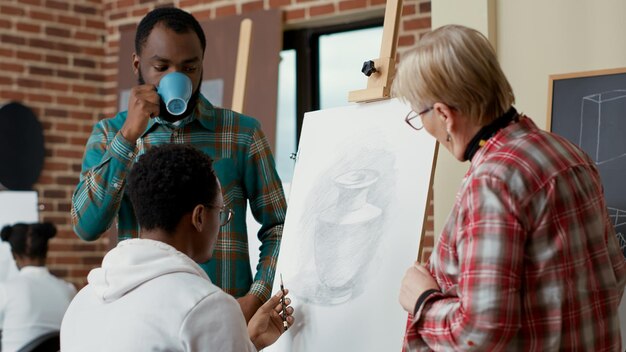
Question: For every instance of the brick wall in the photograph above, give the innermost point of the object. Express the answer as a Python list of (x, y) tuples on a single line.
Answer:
[(51, 60), (59, 57)]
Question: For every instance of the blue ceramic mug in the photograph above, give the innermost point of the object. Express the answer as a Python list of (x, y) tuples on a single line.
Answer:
[(175, 90)]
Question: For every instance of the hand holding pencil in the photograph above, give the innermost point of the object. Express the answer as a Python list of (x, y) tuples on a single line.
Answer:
[(271, 320), (283, 304)]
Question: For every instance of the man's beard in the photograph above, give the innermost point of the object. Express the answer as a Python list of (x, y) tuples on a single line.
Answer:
[(191, 104)]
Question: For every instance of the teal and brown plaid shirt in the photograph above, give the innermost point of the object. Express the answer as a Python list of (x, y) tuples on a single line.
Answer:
[(243, 163)]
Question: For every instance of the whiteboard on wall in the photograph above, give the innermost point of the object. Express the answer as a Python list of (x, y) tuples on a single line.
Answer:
[(354, 223), (589, 109), (15, 206)]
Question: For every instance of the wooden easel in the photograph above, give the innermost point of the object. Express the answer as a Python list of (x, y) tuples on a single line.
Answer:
[(379, 82), (241, 69), (379, 86)]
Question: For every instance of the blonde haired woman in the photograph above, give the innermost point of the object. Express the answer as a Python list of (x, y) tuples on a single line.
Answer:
[(528, 259)]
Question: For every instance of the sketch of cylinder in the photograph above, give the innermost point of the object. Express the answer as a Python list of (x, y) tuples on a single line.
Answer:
[(603, 125), (347, 235)]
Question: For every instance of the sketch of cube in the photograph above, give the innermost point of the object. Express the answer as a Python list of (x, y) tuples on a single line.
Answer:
[(618, 217), (603, 125)]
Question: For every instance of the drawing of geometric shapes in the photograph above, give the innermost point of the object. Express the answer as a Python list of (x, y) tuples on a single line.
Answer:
[(603, 125), (618, 218), (622, 242)]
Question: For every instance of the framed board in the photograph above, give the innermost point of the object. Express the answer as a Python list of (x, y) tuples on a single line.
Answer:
[(354, 224), (589, 109)]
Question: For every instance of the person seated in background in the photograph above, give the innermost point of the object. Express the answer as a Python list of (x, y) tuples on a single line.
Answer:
[(8, 269), (32, 303), (150, 294)]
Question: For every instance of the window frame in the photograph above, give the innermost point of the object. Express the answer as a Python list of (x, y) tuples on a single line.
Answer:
[(306, 43)]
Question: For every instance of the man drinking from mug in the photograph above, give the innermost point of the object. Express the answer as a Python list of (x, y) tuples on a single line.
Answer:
[(171, 40)]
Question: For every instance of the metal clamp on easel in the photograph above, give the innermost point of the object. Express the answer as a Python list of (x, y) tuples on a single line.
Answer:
[(368, 68)]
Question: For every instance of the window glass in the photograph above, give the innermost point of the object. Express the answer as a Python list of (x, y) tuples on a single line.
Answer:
[(341, 57), (286, 115)]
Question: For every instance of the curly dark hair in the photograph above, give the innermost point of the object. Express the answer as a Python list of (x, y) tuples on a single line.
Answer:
[(173, 18), (168, 182), (29, 240)]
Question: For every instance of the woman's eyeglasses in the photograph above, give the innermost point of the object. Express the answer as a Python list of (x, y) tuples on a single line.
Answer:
[(412, 118)]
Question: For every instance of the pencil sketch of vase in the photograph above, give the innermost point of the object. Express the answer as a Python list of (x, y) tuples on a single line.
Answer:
[(347, 235)]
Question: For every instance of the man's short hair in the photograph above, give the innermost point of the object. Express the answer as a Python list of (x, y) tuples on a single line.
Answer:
[(172, 18), (168, 182)]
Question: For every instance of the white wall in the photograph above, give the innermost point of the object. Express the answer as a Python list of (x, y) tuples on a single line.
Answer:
[(480, 15), (540, 38)]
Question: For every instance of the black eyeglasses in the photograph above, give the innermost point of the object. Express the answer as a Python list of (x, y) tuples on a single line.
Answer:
[(412, 118), (226, 214)]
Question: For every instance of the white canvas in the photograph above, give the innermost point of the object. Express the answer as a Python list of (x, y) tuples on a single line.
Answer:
[(355, 215)]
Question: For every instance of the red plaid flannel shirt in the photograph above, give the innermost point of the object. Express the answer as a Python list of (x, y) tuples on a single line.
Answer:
[(528, 260)]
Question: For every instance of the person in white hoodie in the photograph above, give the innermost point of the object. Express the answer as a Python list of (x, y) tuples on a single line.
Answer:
[(33, 301), (150, 294)]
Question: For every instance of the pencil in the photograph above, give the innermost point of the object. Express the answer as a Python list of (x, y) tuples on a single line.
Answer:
[(282, 303)]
